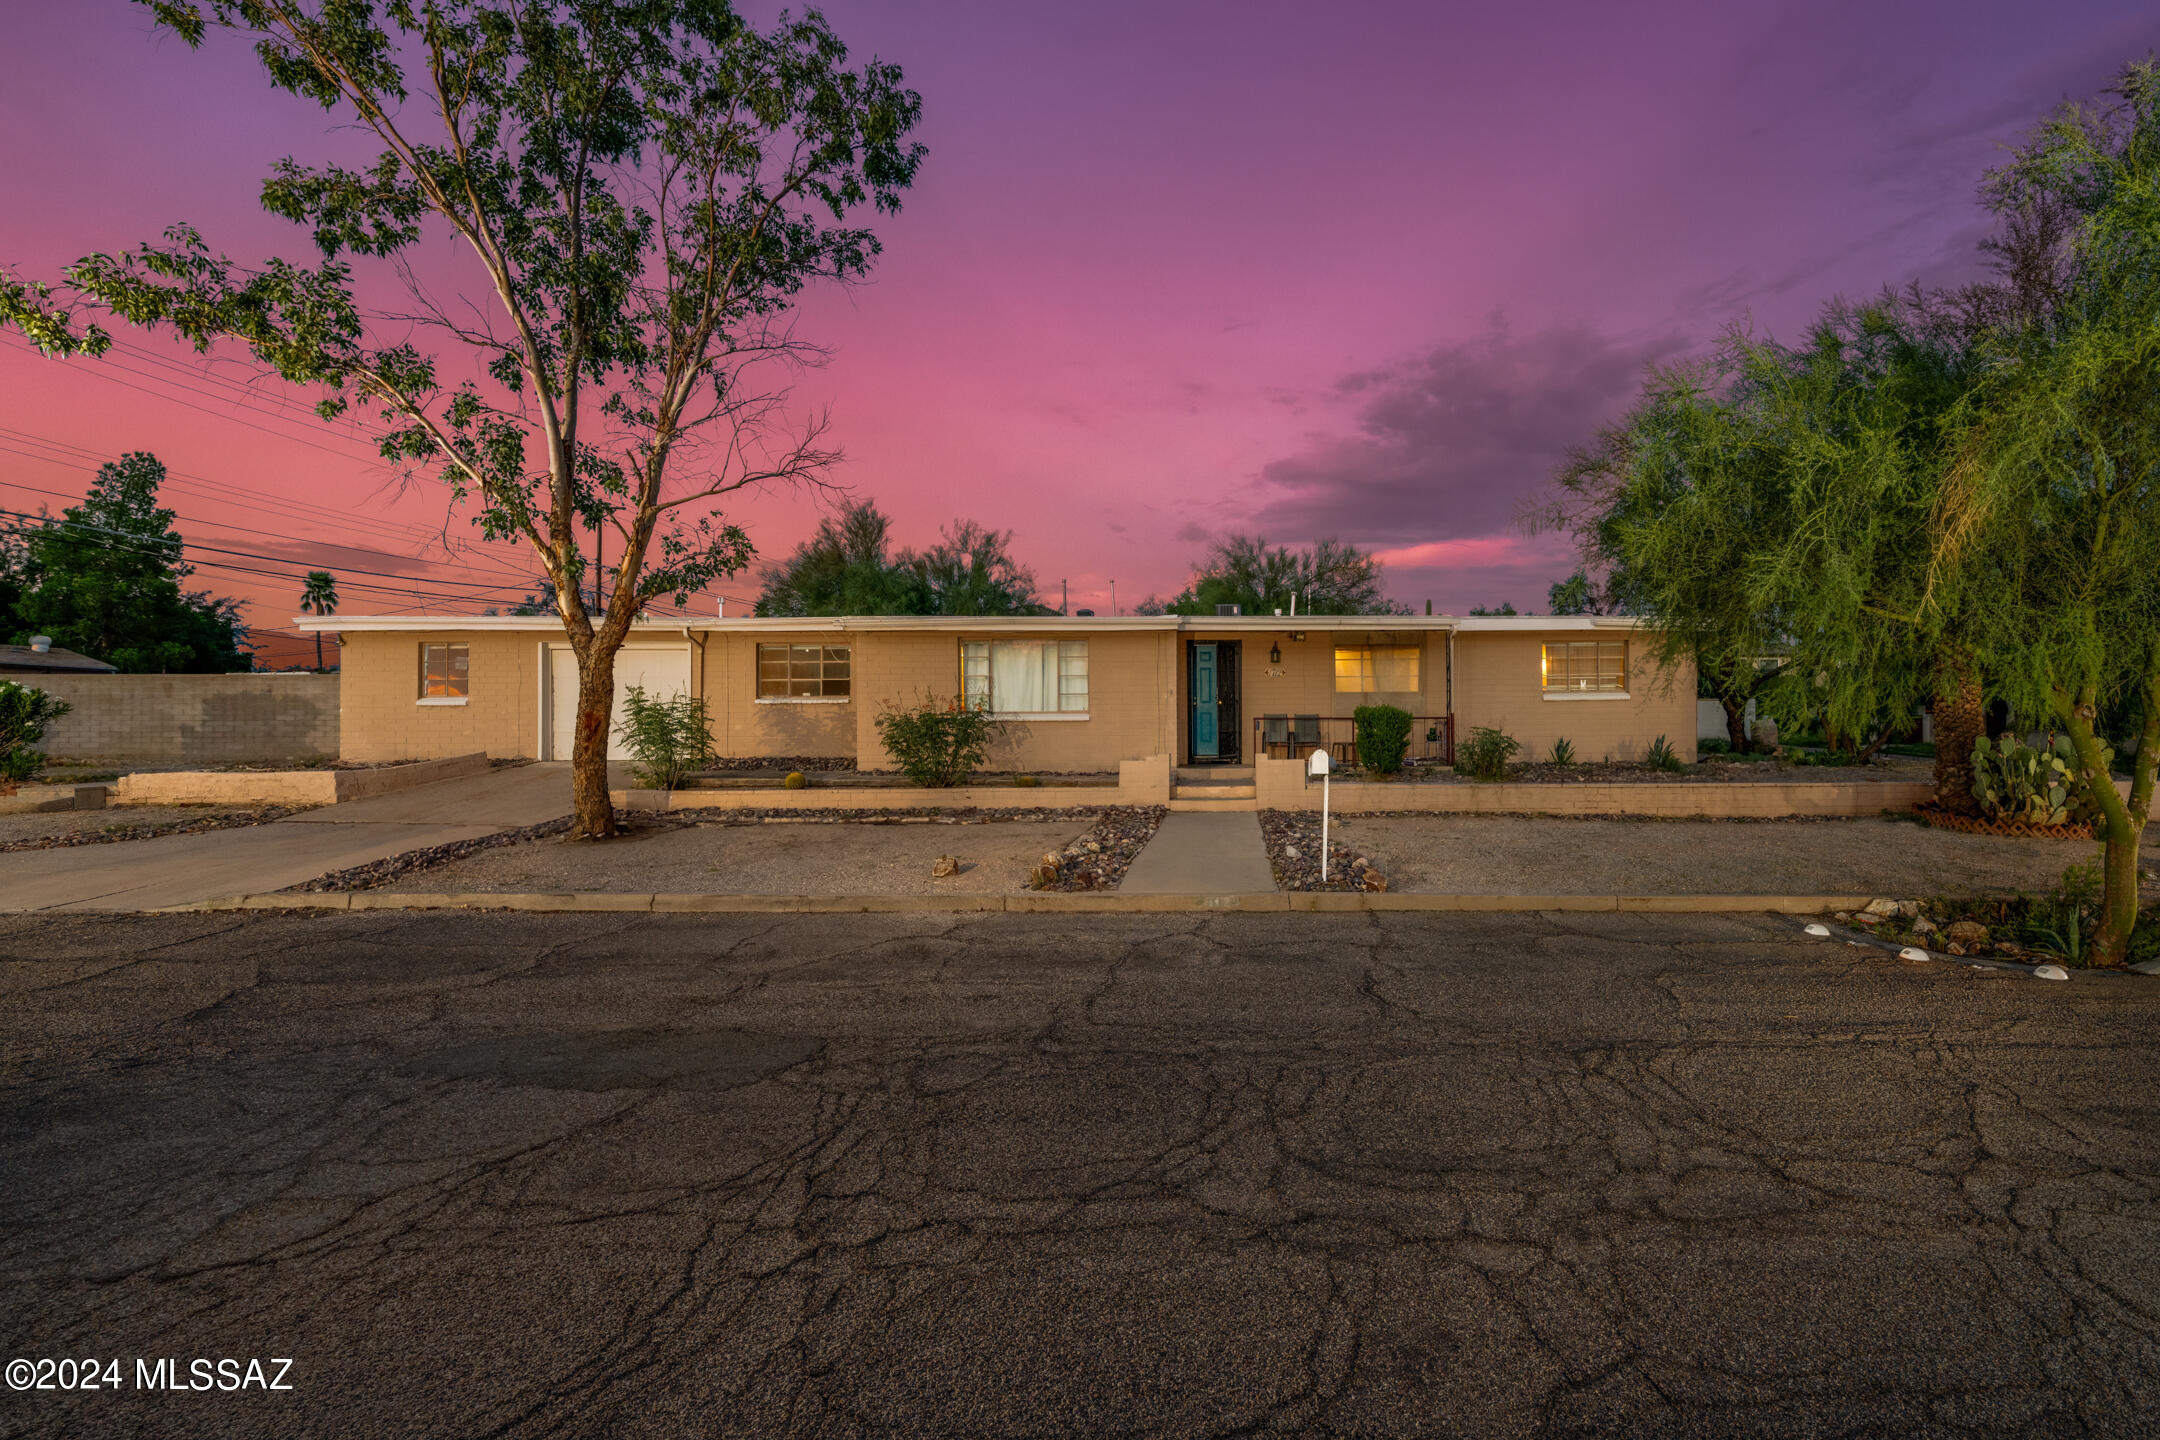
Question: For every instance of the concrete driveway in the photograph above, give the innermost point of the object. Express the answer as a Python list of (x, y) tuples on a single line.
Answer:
[(178, 869), (865, 1176)]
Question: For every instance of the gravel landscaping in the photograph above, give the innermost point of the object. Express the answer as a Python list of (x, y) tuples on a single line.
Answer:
[(1554, 855), (58, 829), (1292, 838), (794, 855), (1099, 859), (1712, 769)]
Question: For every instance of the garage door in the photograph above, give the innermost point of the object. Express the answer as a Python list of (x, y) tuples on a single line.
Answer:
[(663, 671)]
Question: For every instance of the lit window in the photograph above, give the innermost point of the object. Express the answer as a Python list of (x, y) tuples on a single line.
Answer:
[(1586, 665), (1376, 669), (1025, 677), (803, 672), (444, 671)]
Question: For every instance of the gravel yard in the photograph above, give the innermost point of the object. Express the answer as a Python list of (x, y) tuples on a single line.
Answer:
[(814, 858), (55, 828), (1477, 855)]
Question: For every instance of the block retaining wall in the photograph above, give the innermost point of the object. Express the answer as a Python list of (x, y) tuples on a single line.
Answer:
[(192, 719)]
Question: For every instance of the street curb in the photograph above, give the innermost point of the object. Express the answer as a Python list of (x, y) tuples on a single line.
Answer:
[(1034, 903)]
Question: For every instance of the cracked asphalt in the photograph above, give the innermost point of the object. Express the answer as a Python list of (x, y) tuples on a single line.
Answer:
[(486, 1174)]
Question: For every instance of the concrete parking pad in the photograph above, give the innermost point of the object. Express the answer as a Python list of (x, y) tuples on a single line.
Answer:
[(750, 1175)]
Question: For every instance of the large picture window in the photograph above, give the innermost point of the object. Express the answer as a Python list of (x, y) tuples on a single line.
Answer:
[(803, 672), (445, 671), (1026, 677), (1377, 670), (1586, 667)]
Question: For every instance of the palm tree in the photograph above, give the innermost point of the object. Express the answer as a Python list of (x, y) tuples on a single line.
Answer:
[(319, 597)]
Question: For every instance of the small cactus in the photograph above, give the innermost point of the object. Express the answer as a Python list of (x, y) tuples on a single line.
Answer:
[(796, 780)]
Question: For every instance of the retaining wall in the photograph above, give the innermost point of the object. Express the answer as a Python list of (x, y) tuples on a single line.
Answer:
[(287, 787), (192, 719), (1280, 785)]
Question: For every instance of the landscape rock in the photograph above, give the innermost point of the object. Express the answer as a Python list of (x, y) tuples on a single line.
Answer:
[(1884, 908), (943, 866), (1967, 932)]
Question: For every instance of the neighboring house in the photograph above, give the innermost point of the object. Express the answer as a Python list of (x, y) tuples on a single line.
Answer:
[(43, 659), (1088, 691)]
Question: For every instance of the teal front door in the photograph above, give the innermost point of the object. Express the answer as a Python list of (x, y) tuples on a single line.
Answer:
[(1206, 703)]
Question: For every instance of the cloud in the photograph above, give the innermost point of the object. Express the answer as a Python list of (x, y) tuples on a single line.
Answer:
[(1448, 443)]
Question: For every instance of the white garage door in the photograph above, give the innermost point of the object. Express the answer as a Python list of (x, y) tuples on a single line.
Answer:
[(662, 671)]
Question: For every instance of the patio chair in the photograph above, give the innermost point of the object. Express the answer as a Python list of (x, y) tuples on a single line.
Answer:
[(1304, 735), (1275, 736)]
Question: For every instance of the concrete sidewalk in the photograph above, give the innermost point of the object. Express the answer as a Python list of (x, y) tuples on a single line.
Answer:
[(186, 869), (1202, 853)]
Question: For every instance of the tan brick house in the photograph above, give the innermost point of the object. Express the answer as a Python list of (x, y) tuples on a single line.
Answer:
[(1081, 693)]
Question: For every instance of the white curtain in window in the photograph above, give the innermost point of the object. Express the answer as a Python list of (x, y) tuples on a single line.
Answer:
[(1023, 676)]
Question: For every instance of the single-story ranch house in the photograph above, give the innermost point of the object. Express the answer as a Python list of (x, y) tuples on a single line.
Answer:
[(1086, 692)]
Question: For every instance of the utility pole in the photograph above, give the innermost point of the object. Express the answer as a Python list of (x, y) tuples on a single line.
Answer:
[(1064, 599), (1113, 597)]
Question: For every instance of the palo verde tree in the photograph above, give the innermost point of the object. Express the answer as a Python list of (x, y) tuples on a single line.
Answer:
[(2050, 518), (639, 189)]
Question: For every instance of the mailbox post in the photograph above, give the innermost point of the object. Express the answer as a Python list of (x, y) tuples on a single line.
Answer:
[(1318, 766)]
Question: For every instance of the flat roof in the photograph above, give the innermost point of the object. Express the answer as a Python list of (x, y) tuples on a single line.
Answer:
[(1003, 624)]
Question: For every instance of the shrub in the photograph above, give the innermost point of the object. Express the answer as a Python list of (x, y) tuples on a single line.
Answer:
[(1485, 755), (24, 714), (1026, 781), (936, 742), (669, 739), (1563, 752), (1383, 737), (1661, 756), (796, 780), (1712, 747)]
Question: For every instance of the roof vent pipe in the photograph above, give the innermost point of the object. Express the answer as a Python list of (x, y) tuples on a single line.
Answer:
[(41, 643)]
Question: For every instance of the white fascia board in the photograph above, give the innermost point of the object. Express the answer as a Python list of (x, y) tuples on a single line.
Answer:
[(936, 624), (1519, 623)]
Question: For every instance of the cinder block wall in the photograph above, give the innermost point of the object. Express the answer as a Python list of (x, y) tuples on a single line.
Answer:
[(189, 719)]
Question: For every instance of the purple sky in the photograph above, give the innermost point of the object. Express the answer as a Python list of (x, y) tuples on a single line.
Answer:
[(1363, 269)]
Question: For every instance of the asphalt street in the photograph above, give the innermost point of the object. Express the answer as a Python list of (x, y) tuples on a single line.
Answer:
[(483, 1174)]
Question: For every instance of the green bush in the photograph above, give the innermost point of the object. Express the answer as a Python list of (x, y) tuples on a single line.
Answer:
[(24, 714), (1485, 755), (1563, 752), (1713, 747), (1661, 756), (669, 740), (936, 742), (1383, 737)]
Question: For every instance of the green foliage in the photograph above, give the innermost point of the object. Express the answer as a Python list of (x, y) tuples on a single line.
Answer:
[(847, 569), (1505, 607), (1383, 737), (1576, 595), (1485, 755), (104, 579), (1713, 747), (24, 715), (796, 780), (2039, 785), (318, 596), (1662, 756), (1563, 752), (669, 738), (936, 743), (1328, 577)]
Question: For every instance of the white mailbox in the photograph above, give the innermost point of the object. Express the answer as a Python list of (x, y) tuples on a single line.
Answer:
[(1318, 767), (1318, 764)]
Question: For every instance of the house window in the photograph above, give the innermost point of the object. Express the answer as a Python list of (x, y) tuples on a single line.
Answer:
[(1025, 677), (803, 672), (1376, 669), (444, 671), (1586, 666)]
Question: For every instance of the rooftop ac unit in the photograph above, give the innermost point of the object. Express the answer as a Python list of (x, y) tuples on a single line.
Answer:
[(1229, 609)]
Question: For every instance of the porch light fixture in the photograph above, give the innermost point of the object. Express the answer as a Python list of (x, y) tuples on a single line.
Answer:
[(1274, 653)]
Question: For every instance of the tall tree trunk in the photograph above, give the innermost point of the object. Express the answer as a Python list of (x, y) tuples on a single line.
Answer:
[(2121, 821), (1960, 720), (592, 813), (318, 649)]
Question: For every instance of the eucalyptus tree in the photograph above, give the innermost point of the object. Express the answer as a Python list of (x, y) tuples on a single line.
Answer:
[(2050, 520), (639, 190)]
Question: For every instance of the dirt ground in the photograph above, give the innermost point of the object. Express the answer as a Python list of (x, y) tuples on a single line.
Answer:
[(68, 822), (1476, 855), (786, 859)]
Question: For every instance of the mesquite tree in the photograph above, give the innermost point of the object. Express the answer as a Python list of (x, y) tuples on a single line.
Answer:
[(2052, 514), (639, 190)]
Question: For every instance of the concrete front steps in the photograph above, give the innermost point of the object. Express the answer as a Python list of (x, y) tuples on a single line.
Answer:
[(1213, 787)]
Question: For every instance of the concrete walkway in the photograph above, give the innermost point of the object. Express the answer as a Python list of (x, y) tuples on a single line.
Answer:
[(1202, 853), (186, 869)]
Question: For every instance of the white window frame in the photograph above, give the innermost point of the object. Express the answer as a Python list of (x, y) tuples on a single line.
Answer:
[(426, 699), (1593, 691), (1072, 664)]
